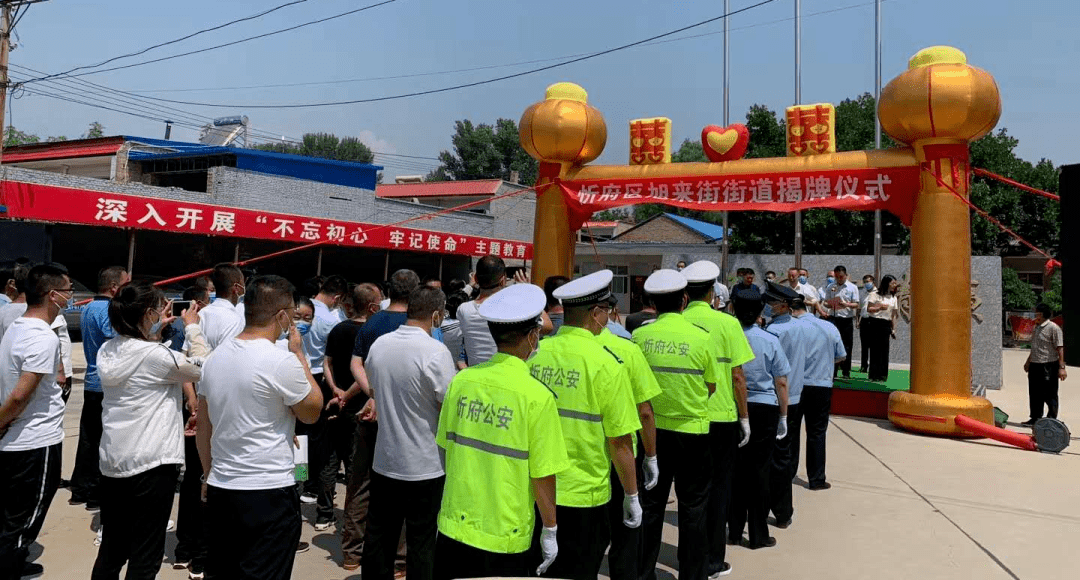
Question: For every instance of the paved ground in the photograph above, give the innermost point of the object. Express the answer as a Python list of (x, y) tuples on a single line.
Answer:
[(902, 506)]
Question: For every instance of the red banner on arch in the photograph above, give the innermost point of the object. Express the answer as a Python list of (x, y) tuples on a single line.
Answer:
[(891, 189)]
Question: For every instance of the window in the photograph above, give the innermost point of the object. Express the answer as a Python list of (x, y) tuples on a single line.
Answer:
[(620, 284)]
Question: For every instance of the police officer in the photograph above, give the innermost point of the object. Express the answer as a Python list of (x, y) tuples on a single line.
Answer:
[(767, 405), (684, 359), (825, 349), (795, 336), (598, 415), (626, 542), (729, 426), (504, 446)]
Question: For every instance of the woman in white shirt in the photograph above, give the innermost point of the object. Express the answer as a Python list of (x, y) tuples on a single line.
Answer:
[(142, 440), (881, 320)]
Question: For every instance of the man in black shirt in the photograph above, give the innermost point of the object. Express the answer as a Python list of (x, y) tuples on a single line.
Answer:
[(401, 284), (644, 316)]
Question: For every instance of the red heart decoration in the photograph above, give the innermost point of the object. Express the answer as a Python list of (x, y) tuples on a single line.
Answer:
[(725, 143)]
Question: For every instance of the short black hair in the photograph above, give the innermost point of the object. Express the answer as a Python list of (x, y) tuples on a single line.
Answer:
[(311, 286), (109, 277), (769, 272), (129, 306), (454, 300), (196, 292), (748, 271), (550, 286), (799, 303), (490, 270), (19, 274), (402, 284), (668, 302), (302, 301), (1044, 309), (41, 280), (425, 301), (455, 285), (698, 291), (840, 269), (870, 276), (335, 286), (265, 297), (740, 271), (224, 276), (747, 311), (510, 334), (7, 271)]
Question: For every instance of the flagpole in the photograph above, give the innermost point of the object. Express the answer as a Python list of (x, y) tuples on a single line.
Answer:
[(877, 130), (798, 100), (727, 80)]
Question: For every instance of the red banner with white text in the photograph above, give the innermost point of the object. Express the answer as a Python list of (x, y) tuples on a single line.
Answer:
[(892, 189), (44, 203)]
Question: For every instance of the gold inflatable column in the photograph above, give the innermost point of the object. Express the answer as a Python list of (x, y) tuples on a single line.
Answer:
[(938, 106), (560, 132)]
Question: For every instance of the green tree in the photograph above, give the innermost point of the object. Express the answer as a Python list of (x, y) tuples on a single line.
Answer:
[(1052, 296), (94, 131), (13, 137), (325, 146), (485, 152), (1015, 293)]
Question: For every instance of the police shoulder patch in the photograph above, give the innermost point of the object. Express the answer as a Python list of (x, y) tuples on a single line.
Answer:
[(613, 354)]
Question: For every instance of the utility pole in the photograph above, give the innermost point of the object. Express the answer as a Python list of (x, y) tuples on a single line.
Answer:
[(5, 45), (798, 100), (727, 79), (877, 131)]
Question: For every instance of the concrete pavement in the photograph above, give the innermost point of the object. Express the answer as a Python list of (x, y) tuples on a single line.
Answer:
[(902, 506)]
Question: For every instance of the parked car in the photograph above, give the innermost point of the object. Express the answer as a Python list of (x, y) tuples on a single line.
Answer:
[(73, 314)]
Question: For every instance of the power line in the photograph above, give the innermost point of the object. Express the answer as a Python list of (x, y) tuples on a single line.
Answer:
[(174, 41), (485, 67), (235, 42), (472, 84)]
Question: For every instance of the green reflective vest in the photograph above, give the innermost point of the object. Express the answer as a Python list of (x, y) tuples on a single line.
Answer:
[(734, 351)]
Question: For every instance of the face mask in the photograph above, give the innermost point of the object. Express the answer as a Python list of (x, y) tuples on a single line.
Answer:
[(869, 286), (802, 279), (830, 280), (303, 328), (213, 296), (533, 347)]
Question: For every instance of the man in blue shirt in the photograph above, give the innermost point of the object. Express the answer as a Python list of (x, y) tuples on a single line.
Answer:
[(825, 348), (795, 336), (767, 407), (96, 329)]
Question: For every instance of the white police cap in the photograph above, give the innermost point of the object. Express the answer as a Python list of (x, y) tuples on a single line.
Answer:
[(665, 282), (515, 304), (702, 272), (586, 290)]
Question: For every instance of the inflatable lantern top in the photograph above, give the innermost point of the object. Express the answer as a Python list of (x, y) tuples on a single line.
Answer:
[(563, 128), (940, 96)]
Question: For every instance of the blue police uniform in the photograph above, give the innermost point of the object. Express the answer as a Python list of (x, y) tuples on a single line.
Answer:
[(750, 497), (795, 336), (823, 349)]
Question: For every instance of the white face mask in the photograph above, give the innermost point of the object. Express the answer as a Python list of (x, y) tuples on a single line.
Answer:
[(533, 347)]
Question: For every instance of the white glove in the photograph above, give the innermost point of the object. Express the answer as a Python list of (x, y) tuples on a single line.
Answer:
[(550, 548), (744, 423), (652, 471), (781, 429), (631, 511)]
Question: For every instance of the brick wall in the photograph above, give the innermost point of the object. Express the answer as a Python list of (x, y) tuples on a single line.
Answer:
[(663, 229)]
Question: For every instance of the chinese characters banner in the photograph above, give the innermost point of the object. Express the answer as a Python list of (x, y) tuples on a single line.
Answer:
[(45, 203), (891, 189)]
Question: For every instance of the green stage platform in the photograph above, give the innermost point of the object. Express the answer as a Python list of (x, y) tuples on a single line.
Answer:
[(860, 397)]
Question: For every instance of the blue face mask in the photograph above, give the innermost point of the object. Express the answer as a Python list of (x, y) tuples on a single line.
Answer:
[(830, 280), (213, 295), (869, 286), (802, 279), (303, 328), (767, 311), (155, 329)]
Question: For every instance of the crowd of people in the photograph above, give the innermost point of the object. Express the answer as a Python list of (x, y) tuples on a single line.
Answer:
[(496, 428)]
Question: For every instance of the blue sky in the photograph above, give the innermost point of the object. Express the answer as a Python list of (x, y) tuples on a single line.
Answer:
[(1031, 49)]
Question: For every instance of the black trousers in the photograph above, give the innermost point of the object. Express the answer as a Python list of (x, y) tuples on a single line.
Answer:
[(879, 331), (134, 511), (814, 407), (864, 343), (684, 460), (846, 326), (583, 536), (625, 542), (190, 520), (785, 463), (1043, 389), (414, 504), (87, 473), (724, 440), (454, 559), (28, 482), (750, 492), (253, 533)]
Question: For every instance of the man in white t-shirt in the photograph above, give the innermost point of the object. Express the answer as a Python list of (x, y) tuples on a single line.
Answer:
[(842, 299), (409, 372), (221, 319), (250, 397), (479, 347), (31, 418)]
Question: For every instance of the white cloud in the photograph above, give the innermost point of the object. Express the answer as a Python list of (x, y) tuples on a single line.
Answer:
[(375, 143)]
